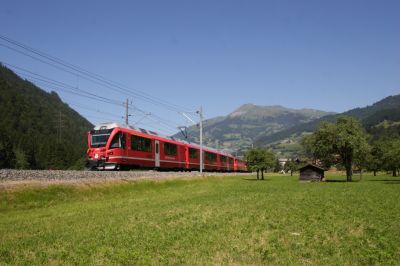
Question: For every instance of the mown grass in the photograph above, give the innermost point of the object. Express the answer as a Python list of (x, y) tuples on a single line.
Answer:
[(229, 220)]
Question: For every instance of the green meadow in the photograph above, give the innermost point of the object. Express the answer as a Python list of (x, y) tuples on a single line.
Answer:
[(215, 220)]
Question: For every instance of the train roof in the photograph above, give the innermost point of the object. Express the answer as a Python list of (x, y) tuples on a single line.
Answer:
[(111, 125)]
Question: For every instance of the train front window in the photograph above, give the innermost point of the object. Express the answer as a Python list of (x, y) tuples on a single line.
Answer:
[(118, 141), (99, 140)]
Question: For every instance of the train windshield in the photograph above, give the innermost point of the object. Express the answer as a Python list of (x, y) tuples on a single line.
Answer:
[(99, 140), (99, 137)]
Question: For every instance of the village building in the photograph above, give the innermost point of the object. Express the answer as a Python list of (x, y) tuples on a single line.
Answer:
[(311, 172), (283, 161)]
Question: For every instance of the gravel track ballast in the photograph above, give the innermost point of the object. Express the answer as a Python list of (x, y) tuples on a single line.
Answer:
[(64, 175)]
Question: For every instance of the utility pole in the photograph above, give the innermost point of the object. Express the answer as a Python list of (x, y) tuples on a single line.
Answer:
[(201, 139), (126, 112)]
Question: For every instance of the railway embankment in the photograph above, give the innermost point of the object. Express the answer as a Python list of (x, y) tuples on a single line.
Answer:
[(12, 178)]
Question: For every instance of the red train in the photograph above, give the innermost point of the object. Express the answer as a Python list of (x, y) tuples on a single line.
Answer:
[(114, 147)]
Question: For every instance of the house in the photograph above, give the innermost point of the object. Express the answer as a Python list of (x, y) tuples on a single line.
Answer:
[(283, 161), (311, 172)]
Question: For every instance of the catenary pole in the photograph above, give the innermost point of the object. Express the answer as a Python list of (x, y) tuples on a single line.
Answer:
[(201, 139), (126, 111)]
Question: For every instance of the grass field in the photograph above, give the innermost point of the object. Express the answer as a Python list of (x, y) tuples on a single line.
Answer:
[(220, 220)]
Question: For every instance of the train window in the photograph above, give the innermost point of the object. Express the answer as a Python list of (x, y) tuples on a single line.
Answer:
[(223, 159), (193, 153), (211, 157), (115, 142), (170, 149), (118, 141), (99, 140), (230, 160), (140, 143)]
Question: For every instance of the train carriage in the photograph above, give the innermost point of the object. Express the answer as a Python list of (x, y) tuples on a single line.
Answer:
[(193, 157), (223, 162), (172, 155), (113, 147)]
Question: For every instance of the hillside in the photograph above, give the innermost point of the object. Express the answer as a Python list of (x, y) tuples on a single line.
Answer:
[(38, 130), (378, 118), (239, 129)]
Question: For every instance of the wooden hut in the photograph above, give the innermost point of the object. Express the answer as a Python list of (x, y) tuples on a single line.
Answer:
[(311, 172)]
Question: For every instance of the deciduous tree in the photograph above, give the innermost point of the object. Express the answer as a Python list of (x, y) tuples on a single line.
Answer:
[(259, 160), (344, 142), (390, 152)]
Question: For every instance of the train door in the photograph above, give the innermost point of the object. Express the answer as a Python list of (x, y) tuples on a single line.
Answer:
[(124, 147), (187, 166), (157, 153)]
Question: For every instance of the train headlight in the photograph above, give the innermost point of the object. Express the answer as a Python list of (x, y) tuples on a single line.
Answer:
[(96, 156)]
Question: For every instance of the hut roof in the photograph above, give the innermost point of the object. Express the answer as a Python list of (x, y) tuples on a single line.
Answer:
[(312, 166)]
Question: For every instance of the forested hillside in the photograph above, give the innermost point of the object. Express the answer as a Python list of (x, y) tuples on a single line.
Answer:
[(386, 111), (38, 130)]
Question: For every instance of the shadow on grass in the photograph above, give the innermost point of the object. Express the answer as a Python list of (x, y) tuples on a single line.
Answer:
[(335, 181), (392, 182), (343, 181), (254, 179), (385, 180), (388, 181)]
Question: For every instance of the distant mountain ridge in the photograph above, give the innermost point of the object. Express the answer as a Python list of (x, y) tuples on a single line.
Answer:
[(237, 130), (385, 109), (252, 111), (38, 130)]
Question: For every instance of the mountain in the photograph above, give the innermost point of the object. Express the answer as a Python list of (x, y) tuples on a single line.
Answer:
[(239, 129), (378, 118), (38, 130)]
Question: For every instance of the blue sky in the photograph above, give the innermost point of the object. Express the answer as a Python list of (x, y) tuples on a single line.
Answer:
[(328, 55)]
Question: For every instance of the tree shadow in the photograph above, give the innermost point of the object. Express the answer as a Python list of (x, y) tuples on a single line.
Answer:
[(254, 179), (335, 181), (392, 182), (385, 180)]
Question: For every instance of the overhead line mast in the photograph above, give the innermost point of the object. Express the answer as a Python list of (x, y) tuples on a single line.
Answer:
[(126, 112), (201, 139)]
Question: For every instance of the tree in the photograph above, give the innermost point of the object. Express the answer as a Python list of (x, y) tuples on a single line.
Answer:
[(291, 166), (374, 159), (308, 145), (277, 166), (269, 160), (362, 156), (7, 155), (344, 142), (20, 160), (389, 149), (259, 160)]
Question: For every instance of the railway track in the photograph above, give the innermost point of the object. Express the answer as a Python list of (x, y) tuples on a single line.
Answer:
[(11, 178)]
